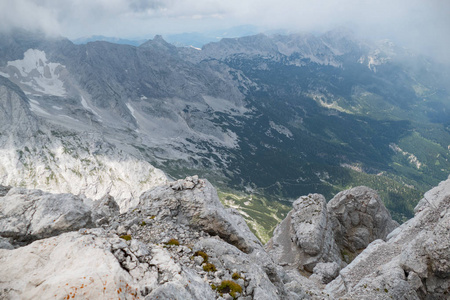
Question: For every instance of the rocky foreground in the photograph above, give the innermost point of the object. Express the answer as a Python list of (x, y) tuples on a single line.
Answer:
[(179, 242)]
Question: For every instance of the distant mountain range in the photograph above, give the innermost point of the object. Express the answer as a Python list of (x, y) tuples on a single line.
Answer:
[(265, 118), (187, 39)]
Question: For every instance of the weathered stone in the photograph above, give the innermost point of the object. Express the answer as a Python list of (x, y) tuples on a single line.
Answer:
[(26, 215), (359, 217), (305, 237), (418, 248), (325, 272), (411, 264), (198, 206)]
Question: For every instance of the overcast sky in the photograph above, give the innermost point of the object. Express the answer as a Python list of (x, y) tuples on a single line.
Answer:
[(419, 24)]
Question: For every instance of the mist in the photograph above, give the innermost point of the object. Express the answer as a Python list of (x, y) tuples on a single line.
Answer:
[(422, 26)]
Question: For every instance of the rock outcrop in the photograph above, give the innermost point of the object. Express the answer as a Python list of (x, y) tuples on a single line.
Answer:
[(194, 201), (27, 215), (179, 242), (414, 261), (358, 217), (332, 234), (305, 237)]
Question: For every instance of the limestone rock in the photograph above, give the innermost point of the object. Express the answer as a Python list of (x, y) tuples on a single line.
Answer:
[(194, 201), (180, 242), (26, 215), (309, 222), (316, 232), (412, 264), (305, 237), (91, 264), (325, 272), (359, 217), (103, 209)]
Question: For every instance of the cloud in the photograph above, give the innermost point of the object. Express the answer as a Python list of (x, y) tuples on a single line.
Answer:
[(28, 15), (420, 24)]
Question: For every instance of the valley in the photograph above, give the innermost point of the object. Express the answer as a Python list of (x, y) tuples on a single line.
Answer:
[(265, 118)]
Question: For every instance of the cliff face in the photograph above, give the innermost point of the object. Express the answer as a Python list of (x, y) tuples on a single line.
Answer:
[(179, 242)]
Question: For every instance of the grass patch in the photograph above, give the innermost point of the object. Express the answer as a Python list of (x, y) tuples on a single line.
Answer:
[(229, 287), (203, 255), (208, 267), (173, 242), (126, 237)]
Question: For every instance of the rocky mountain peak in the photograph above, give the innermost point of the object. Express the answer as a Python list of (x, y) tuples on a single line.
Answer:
[(159, 44), (179, 242)]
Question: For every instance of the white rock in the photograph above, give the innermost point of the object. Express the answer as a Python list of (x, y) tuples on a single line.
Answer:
[(31, 214)]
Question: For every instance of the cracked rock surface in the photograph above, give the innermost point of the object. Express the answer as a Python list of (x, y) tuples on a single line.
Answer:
[(179, 242), (27, 215), (413, 262)]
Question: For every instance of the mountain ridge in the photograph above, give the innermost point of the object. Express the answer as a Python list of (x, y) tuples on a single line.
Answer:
[(315, 117)]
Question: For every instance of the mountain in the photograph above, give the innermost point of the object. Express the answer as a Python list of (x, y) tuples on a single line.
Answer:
[(265, 118), (96, 38), (198, 40), (180, 242)]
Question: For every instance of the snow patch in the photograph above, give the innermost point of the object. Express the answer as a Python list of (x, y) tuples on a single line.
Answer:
[(87, 107), (37, 73), (131, 110), (34, 106)]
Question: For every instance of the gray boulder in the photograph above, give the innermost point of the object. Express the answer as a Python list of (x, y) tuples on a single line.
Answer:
[(358, 217), (325, 272), (27, 215), (305, 237), (195, 202)]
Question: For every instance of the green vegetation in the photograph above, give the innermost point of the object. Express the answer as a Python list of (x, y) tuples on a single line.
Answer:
[(126, 237), (203, 255), (261, 214), (229, 287), (208, 267), (173, 242), (236, 276)]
